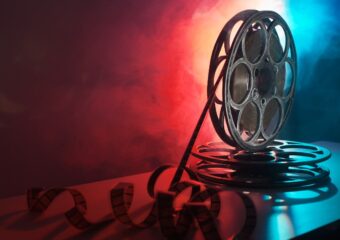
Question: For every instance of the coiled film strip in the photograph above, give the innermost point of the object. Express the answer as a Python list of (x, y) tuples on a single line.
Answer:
[(39, 200), (174, 224)]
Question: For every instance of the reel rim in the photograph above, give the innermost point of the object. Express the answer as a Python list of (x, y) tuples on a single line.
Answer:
[(317, 175), (282, 153)]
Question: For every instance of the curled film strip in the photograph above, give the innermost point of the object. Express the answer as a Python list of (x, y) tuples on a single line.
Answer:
[(39, 200), (174, 224)]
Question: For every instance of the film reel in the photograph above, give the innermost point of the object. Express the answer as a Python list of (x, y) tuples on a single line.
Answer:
[(257, 70), (251, 85), (283, 164)]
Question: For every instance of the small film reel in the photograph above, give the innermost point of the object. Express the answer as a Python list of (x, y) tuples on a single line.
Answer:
[(257, 69), (283, 164)]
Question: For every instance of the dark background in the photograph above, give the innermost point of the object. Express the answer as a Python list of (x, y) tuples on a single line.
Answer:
[(92, 90)]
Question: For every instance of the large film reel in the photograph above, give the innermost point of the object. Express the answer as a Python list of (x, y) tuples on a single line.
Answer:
[(251, 86), (258, 72)]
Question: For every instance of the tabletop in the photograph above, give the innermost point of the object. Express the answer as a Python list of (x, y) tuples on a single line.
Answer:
[(280, 214)]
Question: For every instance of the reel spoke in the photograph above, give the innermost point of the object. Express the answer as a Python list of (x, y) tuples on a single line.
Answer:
[(221, 117)]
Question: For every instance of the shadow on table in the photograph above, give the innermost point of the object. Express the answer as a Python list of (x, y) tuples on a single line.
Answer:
[(284, 197), (29, 221)]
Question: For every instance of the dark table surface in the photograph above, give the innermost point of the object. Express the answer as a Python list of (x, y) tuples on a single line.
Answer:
[(280, 214)]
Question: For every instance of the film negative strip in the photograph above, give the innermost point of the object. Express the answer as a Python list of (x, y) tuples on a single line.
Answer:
[(282, 164), (174, 223), (39, 200)]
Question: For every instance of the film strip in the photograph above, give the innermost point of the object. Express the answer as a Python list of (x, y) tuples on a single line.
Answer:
[(39, 200), (203, 208)]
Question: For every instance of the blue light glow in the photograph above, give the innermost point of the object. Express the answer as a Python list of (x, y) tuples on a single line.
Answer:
[(316, 30), (314, 25)]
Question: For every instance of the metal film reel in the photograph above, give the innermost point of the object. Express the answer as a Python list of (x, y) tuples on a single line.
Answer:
[(283, 164), (251, 86), (258, 73)]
